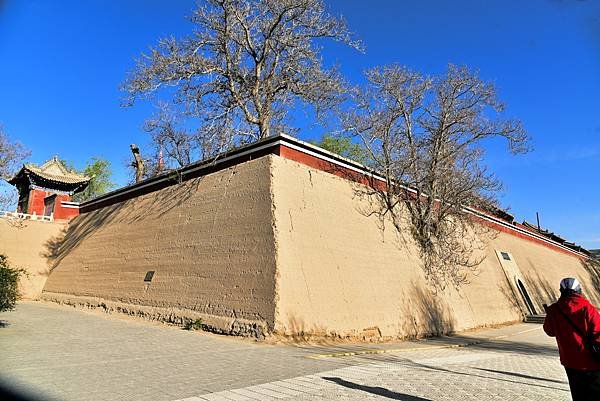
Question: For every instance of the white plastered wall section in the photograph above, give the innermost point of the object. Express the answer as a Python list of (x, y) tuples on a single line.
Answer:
[(208, 240), (338, 273)]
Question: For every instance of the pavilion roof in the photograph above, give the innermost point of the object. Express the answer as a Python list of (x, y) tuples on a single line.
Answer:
[(52, 170)]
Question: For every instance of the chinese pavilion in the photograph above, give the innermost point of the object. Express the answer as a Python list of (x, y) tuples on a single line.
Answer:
[(46, 190)]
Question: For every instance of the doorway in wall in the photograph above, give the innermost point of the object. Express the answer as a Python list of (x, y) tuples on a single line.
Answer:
[(526, 297), (517, 283)]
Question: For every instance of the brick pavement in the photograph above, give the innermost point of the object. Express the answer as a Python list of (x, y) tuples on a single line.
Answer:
[(69, 354), (524, 367)]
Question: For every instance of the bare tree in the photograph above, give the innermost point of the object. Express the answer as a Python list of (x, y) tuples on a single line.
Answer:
[(426, 136), (12, 154), (178, 145), (138, 163), (247, 63)]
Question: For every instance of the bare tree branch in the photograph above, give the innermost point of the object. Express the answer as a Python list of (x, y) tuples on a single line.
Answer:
[(426, 136), (12, 154), (246, 65)]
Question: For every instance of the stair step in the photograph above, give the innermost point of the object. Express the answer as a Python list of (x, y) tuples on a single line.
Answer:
[(534, 318)]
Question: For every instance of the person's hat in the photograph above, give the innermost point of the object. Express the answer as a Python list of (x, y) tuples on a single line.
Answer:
[(570, 284)]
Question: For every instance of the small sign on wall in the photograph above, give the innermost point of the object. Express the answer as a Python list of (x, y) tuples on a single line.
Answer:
[(149, 276)]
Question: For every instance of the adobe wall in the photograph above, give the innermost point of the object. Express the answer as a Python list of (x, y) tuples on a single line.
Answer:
[(542, 268), (338, 273), (208, 240), (26, 243), (274, 245)]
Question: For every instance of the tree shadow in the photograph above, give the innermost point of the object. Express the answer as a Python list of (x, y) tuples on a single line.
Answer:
[(127, 211), (72, 235), (422, 314), (540, 290), (592, 267), (521, 375), (299, 333), (380, 391), (522, 348), (511, 296), (459, 341), (425, 314), (469, 374), (3, 324)]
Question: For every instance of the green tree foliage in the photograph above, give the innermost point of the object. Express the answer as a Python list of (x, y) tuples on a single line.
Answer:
[(343, 146), (98, 169), (9, 282)]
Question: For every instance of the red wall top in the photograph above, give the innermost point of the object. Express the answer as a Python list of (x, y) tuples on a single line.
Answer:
[(307, 154)]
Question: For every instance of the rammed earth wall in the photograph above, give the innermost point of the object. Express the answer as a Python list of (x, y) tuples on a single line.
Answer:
[(27, 244), (272, 245), (340, 274), (209, 242)]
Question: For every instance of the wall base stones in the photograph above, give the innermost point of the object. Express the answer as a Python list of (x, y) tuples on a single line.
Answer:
[(179, 317)]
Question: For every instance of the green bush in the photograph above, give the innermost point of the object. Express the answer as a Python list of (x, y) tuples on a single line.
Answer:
[(9, 284), (194, 325)]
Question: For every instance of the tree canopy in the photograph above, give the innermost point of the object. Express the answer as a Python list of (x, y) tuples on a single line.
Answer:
[(9, 284), (249, 63), (426, 136), (343, 146), (99, 170), (12, 154), (237, 76)]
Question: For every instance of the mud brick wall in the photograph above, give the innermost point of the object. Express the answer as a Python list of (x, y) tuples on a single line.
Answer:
[(209, 242), (27, 244), (341, 273)]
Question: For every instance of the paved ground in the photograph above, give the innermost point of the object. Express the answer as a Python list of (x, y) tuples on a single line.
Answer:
[(66, 354)]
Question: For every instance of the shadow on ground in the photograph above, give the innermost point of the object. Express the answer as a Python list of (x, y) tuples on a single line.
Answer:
[(502, 372), (523, 348), (9, 393), (380, 391), (423, 366), (471, 343)]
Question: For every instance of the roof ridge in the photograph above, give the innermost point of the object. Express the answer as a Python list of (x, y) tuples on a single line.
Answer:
[(55, 161)]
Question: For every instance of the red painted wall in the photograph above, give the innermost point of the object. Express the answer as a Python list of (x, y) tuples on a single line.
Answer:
[(36, 202), (64, 213), (36, 205), (326, 166)]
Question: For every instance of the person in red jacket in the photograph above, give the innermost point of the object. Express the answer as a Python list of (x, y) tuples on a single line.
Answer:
[(569, 319)]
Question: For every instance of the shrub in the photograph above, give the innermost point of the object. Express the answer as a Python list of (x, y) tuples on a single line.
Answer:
[(194, 325), (9, 284)]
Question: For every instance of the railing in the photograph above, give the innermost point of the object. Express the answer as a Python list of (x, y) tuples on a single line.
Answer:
[(25, 216)]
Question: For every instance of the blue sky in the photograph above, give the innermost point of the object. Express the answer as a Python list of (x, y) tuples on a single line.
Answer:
[(61, 63)]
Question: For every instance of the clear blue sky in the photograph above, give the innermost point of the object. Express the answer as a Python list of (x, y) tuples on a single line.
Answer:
[(61, 63)]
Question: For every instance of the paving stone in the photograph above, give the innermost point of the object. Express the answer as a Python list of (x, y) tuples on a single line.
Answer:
[(252, 395), (67, 355), (261, 389)]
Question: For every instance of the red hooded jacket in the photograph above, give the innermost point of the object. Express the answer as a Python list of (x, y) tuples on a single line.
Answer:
[(573, 349)]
